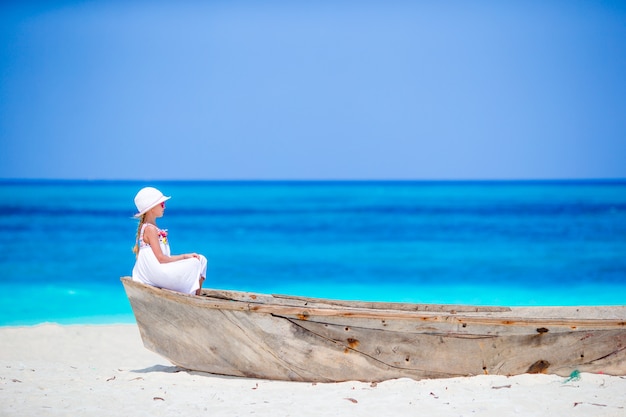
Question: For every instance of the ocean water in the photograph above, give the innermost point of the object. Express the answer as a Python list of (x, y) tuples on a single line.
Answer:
[(67, 243)]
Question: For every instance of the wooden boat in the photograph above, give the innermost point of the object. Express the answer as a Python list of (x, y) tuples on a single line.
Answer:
[(306, 339)]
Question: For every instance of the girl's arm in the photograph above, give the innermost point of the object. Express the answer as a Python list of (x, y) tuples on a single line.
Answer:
[(151, 237)]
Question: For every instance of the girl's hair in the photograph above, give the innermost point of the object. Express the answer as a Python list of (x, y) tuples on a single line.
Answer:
[(136, 247)]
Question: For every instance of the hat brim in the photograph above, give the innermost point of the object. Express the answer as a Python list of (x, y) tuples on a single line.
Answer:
[(156, 203)]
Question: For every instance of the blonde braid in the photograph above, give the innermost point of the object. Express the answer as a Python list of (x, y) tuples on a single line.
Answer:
[(141, 222)]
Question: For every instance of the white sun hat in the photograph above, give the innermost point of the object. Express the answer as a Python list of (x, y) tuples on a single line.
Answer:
[(147, 198)]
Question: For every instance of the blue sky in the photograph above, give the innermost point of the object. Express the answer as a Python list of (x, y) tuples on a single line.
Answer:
[(429, 90)]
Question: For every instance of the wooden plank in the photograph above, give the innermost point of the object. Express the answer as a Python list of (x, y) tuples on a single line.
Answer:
[(472, 354), (377, 305)]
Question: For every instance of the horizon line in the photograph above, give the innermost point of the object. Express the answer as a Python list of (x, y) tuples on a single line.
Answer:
[(338, 180)]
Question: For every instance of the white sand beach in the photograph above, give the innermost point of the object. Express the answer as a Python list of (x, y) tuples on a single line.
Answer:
[(85, 370)]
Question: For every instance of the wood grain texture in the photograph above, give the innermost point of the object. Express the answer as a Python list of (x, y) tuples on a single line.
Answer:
[(306, 339)]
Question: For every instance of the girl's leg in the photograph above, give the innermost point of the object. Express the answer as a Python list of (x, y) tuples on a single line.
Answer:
[(204, 262), (199, 290)]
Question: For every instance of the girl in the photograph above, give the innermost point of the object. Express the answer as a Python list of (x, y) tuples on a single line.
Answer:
[(154, 264)]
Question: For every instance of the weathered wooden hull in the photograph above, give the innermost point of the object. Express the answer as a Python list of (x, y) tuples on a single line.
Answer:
[(300, 339)]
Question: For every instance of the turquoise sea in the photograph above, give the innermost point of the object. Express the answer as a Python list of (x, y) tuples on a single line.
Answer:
[(67, 243)]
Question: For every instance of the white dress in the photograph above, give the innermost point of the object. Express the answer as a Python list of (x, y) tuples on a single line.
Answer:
[(182, 276)]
